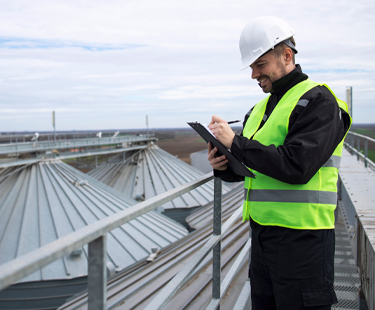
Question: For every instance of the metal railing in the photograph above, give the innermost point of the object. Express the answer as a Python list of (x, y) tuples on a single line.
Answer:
[(353, 144), (68, 135), (95, 236), (38, 146)]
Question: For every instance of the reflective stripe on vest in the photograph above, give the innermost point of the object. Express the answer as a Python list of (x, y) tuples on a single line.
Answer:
[(333, 162), (301, 196), (272, 202)]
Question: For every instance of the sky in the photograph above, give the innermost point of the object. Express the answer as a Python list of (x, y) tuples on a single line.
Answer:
[(107, 64)]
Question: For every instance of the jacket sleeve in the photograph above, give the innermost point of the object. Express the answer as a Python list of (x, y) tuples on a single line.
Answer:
[(314, 133), (228, 175)]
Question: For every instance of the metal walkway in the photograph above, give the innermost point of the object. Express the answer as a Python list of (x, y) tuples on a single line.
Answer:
[(346, 272)]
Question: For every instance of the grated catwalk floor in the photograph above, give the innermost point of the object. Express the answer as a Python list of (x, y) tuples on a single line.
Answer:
[(346, 272)]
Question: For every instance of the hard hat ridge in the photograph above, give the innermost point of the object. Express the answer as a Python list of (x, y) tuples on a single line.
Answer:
[(262, 34)]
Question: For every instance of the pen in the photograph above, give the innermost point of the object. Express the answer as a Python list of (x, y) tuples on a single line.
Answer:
[(232, 122)]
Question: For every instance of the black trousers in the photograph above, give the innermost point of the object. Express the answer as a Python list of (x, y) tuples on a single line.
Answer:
[(291, 269)]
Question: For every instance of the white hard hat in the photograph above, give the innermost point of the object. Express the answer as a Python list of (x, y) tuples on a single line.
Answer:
[(262, 34)]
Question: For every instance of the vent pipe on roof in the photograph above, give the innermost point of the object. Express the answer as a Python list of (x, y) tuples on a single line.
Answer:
[(79, 182)]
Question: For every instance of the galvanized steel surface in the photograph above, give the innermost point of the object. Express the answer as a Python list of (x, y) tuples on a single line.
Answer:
[(349, 144), (150, 172), (185, 273), (29, 147), (346, 273), (68, 155), (358, 184), (135, 287), (204, 215), (44, 202)]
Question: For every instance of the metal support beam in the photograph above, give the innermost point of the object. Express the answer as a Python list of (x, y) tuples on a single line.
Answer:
[(216, 264), (97, 274)]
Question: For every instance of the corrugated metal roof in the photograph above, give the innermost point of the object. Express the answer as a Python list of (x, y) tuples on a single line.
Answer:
[(135, 287), (45, 201), (203, 216), (153, 171)]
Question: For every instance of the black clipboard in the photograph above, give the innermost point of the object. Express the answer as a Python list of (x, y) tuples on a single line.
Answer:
[(237, 167)]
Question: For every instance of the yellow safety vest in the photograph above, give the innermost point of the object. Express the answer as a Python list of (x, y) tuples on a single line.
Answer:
[(271, 202)]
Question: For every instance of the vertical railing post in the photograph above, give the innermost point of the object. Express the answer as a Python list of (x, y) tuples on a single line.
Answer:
[(97, 274), (358, 148), (216, 261), (353, 138), (366, 152)]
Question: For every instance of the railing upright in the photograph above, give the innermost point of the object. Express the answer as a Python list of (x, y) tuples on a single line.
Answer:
[(366, 152), (216, 263), (97, 274), (358, 149)]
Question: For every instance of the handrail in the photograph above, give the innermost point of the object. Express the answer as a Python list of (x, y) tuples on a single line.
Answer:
[(34, 146), (184, 274), (350, 145), (25, 265), (95, 236), (361, 136)]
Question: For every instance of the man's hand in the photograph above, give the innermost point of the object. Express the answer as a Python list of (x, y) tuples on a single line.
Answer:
[(217, 163), (222, 131)]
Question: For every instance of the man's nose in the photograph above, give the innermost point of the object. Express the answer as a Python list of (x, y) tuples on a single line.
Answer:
[(254, 73)]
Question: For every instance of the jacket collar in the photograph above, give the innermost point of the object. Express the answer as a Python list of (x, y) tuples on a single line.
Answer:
[(282, 85)]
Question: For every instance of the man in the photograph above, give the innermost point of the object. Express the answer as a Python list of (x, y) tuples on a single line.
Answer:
[(292, 140)]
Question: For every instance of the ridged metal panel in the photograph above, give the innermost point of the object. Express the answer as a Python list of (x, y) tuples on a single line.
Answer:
[(45, 201), (135, 287), (204, 215), (346, 272), (153, 171)]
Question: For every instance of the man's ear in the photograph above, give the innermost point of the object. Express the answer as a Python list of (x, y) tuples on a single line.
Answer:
[(288, 56)]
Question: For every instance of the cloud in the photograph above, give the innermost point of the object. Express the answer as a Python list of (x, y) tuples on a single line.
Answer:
[(107, 64)]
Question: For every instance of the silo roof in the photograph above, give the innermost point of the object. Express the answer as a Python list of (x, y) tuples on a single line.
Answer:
[(42, 202), (153, 171)]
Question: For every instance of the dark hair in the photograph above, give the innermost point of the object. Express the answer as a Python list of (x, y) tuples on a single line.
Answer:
[(279, 49)]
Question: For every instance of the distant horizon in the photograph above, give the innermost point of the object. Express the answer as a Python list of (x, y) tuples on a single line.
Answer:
[(132, 129)]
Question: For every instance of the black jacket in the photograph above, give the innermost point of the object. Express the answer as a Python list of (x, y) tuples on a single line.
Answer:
[(314, 133)]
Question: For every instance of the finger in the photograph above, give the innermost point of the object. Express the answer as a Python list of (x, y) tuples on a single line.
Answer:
[(211, 155), (216, 119), (221, 165), (214, 160)]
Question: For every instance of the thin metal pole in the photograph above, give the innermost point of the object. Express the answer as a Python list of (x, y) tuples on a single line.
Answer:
[(366, 152), (358, 148), (97, 274), (96, 161), (216, 264), (353, 141)]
